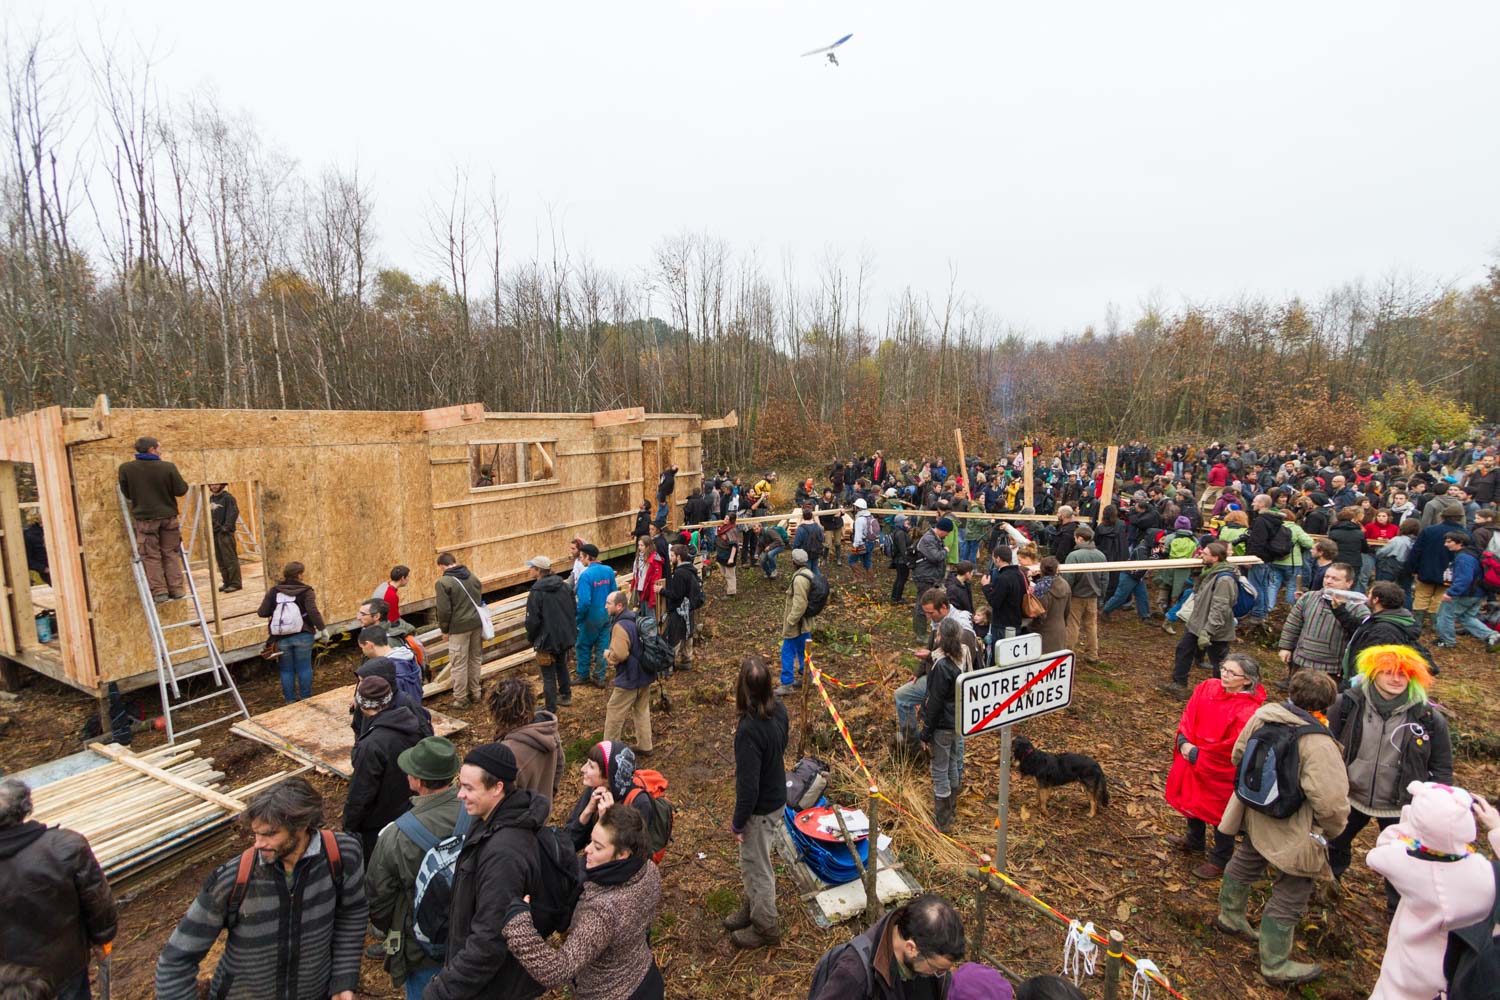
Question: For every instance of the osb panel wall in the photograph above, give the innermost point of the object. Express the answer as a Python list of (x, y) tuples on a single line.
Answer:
[(346, 493), (598, 488)]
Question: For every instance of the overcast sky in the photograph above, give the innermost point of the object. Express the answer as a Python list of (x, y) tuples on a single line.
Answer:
[(1058, 156)]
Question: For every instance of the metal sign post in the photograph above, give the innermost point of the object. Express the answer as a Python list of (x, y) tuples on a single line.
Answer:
[(1001, 696)]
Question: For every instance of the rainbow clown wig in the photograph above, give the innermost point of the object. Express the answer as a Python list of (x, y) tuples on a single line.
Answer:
[(1397, 659)]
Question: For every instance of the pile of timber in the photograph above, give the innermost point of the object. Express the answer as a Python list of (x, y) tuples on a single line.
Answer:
[(142, 809)]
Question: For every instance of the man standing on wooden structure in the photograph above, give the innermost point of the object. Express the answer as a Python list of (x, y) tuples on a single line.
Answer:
[(224, 512), (550, 621), (293, 905), (458, 599), (57, 903), (152, 487)]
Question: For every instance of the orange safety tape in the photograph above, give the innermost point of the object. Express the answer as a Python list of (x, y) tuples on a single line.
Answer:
[(985, 868), (847, 687)]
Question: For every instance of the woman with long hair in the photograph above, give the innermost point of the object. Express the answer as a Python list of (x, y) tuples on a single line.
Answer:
[(292, 607), (1053, 590), (759, 797)]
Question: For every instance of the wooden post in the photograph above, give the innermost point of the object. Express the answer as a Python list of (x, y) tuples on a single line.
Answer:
[(1003, 808), (976, 934), (873, 909), (963, 461), (1113, 958), (213, 564), (1111, 457), (1028, 473)]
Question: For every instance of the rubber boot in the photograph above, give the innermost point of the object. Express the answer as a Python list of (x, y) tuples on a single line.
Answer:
[(739, 919), (1234, 896), (943, 812), (1420, 617), (1275, 951)]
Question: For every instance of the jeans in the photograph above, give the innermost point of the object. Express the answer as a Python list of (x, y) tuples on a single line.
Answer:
[(556, 680), (1176, 470), (1265, 597), (768, 560), (1366, 572), (812, 564), (1127, 588), (793, 658), (909, 697), (1177, 604), (861, 558), (296, 666), (417, 981), (1272, 580), (1464, 611), (592, 639), (968, 550), (946, 765)]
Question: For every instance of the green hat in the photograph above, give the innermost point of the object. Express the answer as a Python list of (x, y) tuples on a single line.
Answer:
[(433, 759)]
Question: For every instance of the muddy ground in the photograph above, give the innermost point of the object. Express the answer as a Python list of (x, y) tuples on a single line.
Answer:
[(1115, 869)]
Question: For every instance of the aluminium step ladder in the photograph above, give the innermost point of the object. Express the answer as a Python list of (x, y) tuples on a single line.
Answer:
[(170, 675)]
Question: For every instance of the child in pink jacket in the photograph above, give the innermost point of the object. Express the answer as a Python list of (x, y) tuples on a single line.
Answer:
[(1444, 885)]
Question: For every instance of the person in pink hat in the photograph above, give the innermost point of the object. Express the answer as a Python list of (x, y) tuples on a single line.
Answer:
[(1444, 885)]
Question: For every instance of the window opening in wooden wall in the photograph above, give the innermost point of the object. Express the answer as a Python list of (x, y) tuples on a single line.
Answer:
[(499, 464)]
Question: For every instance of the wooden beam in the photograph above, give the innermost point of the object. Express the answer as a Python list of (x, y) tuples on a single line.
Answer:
[(1129, 564), (19, 614), (91, 425), (1111, 457), (614, 418), (54, 484), (730, 419), (452, 416), (1028, 474), (120, 755), (963, 462)]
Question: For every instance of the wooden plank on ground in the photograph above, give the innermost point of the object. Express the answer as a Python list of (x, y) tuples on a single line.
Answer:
[(317, 729), (614, 418), (452, 416), (120, 755)]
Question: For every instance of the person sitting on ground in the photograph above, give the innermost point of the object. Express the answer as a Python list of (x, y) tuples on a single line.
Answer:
[(1201, 780), (531, 734), (1392, 735), (607, 954), (1428, 856), (1289, 844), (910, 953)]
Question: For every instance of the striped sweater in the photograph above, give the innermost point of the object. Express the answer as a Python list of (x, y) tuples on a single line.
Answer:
[(1314, 635), (297, 941)]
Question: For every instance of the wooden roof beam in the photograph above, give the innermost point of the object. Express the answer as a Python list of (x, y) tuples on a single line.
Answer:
[(614, 418)]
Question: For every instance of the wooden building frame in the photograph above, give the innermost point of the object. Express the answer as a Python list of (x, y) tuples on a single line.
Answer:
[(348, 494)]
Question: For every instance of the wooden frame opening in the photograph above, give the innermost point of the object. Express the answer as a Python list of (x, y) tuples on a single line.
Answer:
[(499, 465)]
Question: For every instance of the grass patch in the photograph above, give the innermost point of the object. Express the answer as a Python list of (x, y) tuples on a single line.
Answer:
[(721, 902), (1107, 683), (576, 751)]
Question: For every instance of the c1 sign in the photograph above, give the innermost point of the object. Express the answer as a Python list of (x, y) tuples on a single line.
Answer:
[(1017, 649), (1003, 696)]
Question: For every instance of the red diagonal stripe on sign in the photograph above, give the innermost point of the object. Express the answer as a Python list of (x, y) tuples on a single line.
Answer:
[(1011, 700)]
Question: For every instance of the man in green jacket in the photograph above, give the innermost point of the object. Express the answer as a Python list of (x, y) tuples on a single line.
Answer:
[(1210, 626), (152, 488), (796, 628), (459, 598), (391, 879), (1088, 588)]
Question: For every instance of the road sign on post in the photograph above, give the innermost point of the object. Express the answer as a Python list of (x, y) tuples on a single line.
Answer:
[(1017, 649), (1001, 696)]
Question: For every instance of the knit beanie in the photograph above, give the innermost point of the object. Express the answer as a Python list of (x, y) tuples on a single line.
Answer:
[(944, 524), (972, 981), (1439, 817), (1183, 523), (619, 767), (496, 758), (373, 693)]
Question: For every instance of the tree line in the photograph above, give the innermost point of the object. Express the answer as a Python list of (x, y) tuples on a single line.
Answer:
[(170, 256)]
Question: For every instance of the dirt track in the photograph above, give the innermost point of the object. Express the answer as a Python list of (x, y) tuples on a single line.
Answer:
[(1114, 870)]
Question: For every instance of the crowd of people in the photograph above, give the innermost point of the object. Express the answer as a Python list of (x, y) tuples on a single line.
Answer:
[(446, 867)]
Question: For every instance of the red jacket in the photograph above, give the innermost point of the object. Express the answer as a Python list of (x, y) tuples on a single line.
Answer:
[(1376, 531), (1218, 475), (1211, 722), (646, 588)]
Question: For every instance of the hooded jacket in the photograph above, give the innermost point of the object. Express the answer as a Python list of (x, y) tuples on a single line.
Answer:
[(539, 755), (378, 792), (551, 624), (1006, 588), (55, 900), (307, 603), (1267, 524), (1383, 754), (499, 863), (799, 589), (458, 596), (1213, 603), (1288, 843), (1383, 628), (1212, 722), (931, 562), (384, 666)]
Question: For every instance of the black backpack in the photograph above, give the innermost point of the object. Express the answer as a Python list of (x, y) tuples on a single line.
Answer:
[(560, 884), (1280, 544), (657, 655), (1268, 779), (817, 596), (1472, 962), (823, 971), (814, 540)]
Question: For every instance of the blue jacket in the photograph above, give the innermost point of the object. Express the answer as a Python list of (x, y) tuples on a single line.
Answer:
[(806, 532), (594, 587), (1465, 575), (1429, 557)]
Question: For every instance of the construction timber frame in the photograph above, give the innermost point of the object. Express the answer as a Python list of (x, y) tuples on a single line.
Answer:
[(348, 494)]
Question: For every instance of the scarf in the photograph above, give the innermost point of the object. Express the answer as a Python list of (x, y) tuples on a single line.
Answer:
[(615, 873), (146, 456), (1387, 707), (1042, 586)]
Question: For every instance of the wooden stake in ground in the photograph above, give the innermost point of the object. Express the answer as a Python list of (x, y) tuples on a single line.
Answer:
[(1028, 473), (963, 461), (1111, 456)]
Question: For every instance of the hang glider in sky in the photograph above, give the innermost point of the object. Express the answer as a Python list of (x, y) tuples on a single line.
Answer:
[(829, 49)]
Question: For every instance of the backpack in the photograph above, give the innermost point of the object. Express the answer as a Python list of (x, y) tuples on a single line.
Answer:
[(1488, 577), (814, 540), (286, 618), (1471, 964), (434, 885), (805, 783), (659, 827), (657, 655), (817, 596), (1280, 544), (1182, 546), (823, 971), (1268, 779), (247, 864), (1245, 597), (887, 544), (560, 884)]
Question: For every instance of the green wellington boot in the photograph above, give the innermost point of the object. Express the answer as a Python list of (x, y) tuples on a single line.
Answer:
[(1275, 951), (1234, 896)]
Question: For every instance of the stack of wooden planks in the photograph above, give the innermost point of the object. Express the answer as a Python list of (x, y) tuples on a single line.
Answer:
[(139, 810)]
